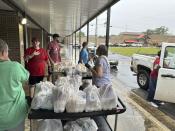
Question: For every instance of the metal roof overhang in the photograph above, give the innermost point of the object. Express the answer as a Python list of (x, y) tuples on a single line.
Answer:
[(60, 16)]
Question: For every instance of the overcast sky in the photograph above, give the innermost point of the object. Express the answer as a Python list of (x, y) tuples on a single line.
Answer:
[(138, 16)]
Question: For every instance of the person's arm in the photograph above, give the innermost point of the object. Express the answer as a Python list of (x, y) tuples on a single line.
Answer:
[(20, 73), (47, 59), (50, 59), (97, 71), (48, 53), (30, 56)]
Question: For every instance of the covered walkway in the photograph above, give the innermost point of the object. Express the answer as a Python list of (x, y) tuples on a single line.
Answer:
[(46, 17)]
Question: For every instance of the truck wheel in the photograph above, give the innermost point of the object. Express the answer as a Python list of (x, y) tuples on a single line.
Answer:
[(143, 79)]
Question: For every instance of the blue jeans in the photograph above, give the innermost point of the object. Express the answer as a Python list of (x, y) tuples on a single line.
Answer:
[(152, 89)]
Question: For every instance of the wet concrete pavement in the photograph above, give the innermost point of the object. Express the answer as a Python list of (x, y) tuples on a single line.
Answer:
[(133, 119), (124, 74), (141, 116)]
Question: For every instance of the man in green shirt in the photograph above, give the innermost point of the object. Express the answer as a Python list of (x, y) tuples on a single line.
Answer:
[(13, 106)]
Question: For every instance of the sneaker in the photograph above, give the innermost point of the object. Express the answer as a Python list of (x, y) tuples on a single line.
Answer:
[(154, 104)]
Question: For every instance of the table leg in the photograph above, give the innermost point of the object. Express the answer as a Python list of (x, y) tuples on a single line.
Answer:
[(115, 125), (30, 125)]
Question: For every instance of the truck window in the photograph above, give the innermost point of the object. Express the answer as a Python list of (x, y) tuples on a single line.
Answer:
[(169, 58)]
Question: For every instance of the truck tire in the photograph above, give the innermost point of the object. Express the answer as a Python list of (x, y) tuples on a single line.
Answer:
[(143, 79)]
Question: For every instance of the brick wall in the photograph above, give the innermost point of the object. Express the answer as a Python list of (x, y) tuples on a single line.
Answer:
[(9, 31)]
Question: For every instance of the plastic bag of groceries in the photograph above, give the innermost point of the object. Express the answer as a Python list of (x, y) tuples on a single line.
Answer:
[(59, 100), (49, 125), (72, 126), (85, 83), (80, 68), (77, 102), (92, 99), (87, 124), (75, 81), (45, 87), (108, 97), (43, 97), (61, 81), (78, 80), (42, 101), (61, 95)]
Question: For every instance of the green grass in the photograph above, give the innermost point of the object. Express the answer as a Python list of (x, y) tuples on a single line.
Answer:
[(129, 51)]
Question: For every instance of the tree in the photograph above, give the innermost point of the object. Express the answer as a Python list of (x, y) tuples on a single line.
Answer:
[(159, 31), (82, 34)]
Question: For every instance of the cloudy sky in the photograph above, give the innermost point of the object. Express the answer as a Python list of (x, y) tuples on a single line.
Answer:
[(138, 16)]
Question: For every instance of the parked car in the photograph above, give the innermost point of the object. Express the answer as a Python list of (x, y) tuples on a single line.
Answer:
[(143, 64), (122, 44), (136, 45), (113, 61), (92, 48)]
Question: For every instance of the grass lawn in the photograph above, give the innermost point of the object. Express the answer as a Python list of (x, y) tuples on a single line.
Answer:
[(129, 51)]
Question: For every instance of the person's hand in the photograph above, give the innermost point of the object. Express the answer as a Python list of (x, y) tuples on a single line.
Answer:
[(52, 62), (36, 53), (49, 69)]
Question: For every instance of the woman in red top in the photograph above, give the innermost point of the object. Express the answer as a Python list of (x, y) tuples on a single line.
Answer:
[(36, 59)]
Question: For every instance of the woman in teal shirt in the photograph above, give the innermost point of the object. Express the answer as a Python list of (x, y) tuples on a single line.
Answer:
[(13, 106)]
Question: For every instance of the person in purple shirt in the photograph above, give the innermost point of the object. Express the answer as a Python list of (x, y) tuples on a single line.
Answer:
[(101, 70)]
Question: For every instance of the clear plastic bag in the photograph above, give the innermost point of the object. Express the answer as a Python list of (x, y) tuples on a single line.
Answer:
[(61, 81), (87, 124), (50, 125), (59, 99), (43, 97), (86, 83), (72, 126), (92, 99), (42, 101), (77, 103), (80, 68), (44, 87), (108, 97)]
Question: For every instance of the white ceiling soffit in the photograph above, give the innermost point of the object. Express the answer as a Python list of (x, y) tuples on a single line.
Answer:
[(61, 16)]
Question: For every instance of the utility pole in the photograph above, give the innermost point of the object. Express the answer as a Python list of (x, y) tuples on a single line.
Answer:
[(108, 26), (96, 32)]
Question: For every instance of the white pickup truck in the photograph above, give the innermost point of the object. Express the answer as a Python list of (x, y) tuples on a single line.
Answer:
[(143, 64)]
